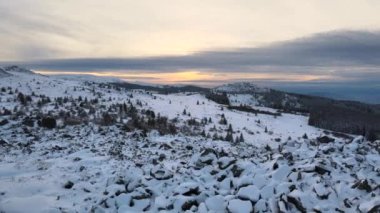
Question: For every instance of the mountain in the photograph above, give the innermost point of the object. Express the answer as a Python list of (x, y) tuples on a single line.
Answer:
[(241, 88), (17, 69), (337, 115), (165, 89), (77, 145)]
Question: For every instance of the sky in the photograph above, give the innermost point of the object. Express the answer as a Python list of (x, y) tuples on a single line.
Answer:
[(204, 42)]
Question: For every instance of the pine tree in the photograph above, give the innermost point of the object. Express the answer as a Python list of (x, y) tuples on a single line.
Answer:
[(229, 137), (223, 120), (237, 139), (241, 139), (371, 136), (215, 136), (305, 136), (21, 98), (125, 107), (230, 128)]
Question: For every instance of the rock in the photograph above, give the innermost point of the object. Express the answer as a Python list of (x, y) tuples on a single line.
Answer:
[(68, 185), (226, 185), (225, 162), (4, 122), (281, 173), (282, 204), (28, 122), (162, 203), (318, 169), (123, 199), (347, 203), (208, 156), (328, 150), (202, 208), (4, 143), (188, 204), (208, 151), (275, 166), (137, 201), (321, 191), (362, 185), (215, 203), (48, 122), (236, 171), (165, 146), (297, 203), (141, 193), (288, 156), (77, 159), (135, 206), (261, 206), (325, 139), (221, 177), (160, 173), (371, 206), (239, 206), (188, 189), (251, 193), (214, 172), (267, 192), (374, 209), (259, 181), (162, 157), (192, 191), (321, 170)]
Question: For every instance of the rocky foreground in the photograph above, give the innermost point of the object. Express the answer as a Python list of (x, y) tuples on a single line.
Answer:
[(86, 170)]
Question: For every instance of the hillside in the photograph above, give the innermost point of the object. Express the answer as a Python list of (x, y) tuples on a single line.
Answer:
[(77, 145), (336, 115)]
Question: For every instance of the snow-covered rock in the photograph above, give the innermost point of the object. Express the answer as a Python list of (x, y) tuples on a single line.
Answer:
[(239, 206)]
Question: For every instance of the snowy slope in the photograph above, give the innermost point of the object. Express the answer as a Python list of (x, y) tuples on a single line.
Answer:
[(3, 73), (17, 69), (93, 168)]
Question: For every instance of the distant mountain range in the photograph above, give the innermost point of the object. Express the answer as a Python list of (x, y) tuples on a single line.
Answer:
[(7, 71)]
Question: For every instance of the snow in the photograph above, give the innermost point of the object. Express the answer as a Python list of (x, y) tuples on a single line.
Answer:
[(239, 206), (174, 173), (34, 204), (249, 192), (215, 203)]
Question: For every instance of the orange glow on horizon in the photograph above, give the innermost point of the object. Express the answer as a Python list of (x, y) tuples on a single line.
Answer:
[(194, 76)]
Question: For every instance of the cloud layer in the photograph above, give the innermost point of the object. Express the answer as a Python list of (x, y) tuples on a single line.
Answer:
[(41, 29), (348, 54)]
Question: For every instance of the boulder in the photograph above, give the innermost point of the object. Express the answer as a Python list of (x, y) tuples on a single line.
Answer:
[(239, 206)]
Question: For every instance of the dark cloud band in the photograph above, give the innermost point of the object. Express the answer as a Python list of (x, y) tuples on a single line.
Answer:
[(318, 54)]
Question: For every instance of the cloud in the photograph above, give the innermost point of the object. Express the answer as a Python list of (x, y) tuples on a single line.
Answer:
[(319, 54)]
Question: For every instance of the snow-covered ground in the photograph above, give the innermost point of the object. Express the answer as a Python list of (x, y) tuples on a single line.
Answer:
[(93, 168)]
